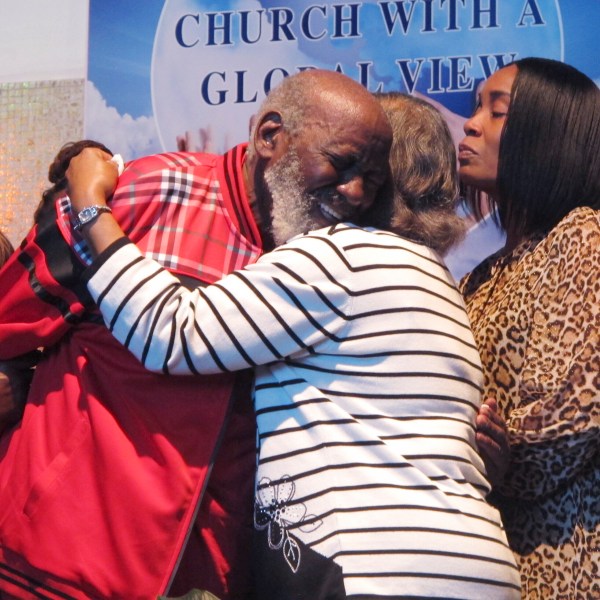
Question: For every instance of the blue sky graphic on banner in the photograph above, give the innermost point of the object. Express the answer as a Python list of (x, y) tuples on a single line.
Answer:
[(197, 69)]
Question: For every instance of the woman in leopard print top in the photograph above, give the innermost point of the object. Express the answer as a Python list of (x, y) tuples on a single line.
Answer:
[(533, 145)]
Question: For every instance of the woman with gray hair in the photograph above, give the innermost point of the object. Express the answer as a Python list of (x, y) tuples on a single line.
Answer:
[(423, 173)]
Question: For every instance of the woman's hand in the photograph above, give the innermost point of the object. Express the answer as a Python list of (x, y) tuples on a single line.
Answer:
[(92, 178), (492, 441)]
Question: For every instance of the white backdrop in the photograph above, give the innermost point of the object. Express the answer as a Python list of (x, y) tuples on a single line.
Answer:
[(43, 39)]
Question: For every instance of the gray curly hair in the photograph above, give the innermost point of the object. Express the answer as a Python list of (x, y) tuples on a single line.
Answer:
[(424, 173)]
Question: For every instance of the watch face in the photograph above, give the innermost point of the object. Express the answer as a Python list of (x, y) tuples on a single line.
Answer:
[(86, 213), (89, 213)]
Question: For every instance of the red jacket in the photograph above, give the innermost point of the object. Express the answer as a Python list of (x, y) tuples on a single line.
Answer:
[(101, 482)]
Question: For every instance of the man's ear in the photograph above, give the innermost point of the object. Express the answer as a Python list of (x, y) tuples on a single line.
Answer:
[(268, 133)]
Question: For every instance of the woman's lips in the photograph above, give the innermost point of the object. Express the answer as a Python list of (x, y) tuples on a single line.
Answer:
[(465, 152)]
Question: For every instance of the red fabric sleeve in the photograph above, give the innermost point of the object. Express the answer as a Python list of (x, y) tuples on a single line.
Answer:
[(40, 293)]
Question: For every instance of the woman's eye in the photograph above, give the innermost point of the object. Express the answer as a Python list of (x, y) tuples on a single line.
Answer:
[(498, 109)]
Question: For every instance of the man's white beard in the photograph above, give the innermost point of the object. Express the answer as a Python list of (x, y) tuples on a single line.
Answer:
[(291, 207)]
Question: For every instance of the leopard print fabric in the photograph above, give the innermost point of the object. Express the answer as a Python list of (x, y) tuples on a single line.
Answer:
[(535, 314)]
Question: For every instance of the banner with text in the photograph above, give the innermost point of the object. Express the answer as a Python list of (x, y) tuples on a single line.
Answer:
[(190, 73)]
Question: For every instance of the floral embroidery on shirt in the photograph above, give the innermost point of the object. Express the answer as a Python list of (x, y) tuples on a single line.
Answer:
[(275, 511)]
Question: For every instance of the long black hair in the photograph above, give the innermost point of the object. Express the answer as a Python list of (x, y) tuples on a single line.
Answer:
[(549, 159)]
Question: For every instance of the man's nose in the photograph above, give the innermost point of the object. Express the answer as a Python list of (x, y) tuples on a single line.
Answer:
[(353, 190)]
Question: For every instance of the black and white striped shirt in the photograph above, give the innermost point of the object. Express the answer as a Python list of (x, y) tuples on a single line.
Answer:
[(367, 386)]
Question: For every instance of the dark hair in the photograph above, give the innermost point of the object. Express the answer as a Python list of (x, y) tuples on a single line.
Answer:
[(58, 168), (549, 158), (6, 249), (423, 173)]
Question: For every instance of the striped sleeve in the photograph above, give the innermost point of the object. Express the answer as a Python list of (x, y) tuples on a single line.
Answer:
[(222, 327)]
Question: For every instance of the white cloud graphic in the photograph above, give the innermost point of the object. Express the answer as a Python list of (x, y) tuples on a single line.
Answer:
[(123, 134)]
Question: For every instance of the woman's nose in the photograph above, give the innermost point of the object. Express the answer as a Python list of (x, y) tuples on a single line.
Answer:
[(471, 126)]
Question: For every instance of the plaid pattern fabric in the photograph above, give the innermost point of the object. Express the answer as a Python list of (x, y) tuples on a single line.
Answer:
[(188, 211)]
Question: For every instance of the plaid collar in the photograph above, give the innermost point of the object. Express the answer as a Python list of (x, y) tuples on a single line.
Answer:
[(188, 211)]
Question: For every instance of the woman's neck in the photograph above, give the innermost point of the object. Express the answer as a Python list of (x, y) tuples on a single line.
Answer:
[(512, 241)]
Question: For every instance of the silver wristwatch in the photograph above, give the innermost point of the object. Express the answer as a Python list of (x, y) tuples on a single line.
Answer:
[(88, 214)]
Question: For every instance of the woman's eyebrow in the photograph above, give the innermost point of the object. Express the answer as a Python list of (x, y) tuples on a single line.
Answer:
[(495, 94)]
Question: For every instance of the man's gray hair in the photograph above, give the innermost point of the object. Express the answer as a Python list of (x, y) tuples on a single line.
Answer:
[(292, 99)]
